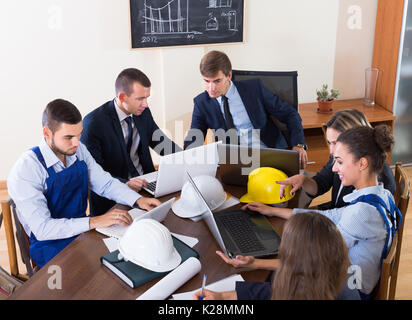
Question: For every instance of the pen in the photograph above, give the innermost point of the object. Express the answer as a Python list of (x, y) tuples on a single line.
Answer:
[(203, 287)]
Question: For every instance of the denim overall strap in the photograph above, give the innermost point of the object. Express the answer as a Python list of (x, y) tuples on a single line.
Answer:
[(379, 204), (66, 196)]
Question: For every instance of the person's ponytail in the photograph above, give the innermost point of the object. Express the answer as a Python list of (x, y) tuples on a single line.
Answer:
[(372, 143)]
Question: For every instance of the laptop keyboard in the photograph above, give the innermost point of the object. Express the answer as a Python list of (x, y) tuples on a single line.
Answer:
[(241, 231), (152, 186)]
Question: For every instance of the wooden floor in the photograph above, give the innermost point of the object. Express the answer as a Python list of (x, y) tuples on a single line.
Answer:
[(404, 286)]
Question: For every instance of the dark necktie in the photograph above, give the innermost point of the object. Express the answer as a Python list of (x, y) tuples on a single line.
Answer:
[(130, 134), (228, 115), (132, 168)]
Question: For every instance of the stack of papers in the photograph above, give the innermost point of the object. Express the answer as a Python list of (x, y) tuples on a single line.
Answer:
[(227, 284)]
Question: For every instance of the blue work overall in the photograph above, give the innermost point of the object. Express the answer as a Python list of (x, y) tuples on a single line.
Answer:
[(66, 196), (391, 229)]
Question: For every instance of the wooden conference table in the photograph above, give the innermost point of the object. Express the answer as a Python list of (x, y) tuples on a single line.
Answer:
[(84, 277)]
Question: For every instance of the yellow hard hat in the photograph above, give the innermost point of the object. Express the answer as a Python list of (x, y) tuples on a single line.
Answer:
[(262, 186)]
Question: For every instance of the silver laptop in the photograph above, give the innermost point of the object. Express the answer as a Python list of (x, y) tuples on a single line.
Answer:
[(159, 213), (171, 174), (237, 161), (240, 232)]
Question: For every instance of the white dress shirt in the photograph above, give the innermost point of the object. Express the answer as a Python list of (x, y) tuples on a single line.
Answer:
[(27, 185), (136, 138), (248, 135)]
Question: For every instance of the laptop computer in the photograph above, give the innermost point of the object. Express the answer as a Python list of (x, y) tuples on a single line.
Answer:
[(171, 174), (237, 161), (159, 213), (239, 232)]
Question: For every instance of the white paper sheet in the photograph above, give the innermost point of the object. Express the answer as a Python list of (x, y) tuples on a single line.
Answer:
[(227, 284), (175, 279), (190, 241), (111, 243)]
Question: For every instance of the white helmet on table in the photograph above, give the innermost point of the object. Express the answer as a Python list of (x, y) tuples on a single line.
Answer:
[(189, 204), (149, 244)]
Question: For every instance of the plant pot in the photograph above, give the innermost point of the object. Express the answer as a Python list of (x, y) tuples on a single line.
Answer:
[(325, 106)]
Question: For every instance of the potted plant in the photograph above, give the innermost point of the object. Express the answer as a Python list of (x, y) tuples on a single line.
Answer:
[(326, 98)]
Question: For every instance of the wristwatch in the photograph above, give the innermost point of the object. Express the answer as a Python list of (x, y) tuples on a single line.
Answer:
[(303, 146)]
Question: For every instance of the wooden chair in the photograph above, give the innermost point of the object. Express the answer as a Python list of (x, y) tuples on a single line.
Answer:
[(7, 206), (386, 288)]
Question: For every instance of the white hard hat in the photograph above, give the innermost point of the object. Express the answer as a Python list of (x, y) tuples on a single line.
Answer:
[(189, 205), (149, 244)]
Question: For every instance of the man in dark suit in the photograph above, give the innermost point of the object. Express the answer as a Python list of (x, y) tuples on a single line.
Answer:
[(119, 134), (242, 108)]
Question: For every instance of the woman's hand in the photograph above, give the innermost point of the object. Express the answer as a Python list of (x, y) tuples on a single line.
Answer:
[(239, 262), (260, 207), (212, 295)]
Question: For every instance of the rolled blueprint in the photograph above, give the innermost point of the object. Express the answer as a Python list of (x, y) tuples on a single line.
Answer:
[(174, 280)]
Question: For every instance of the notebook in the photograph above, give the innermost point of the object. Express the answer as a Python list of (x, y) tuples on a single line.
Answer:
[(159, 213), (240, 232), (135, 275)]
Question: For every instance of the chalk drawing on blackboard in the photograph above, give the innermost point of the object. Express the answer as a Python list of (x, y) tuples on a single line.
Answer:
[(220, 3), (211, 23), (231, 17), (160, 21), (156, 23)]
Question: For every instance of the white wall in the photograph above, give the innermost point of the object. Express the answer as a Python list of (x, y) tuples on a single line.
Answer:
[(75, 49)]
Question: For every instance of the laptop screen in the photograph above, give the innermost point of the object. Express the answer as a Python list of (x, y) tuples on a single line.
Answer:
[(209, 218)]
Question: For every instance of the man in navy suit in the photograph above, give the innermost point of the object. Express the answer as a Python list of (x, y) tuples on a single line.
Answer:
[(119, 134), (242, 110)]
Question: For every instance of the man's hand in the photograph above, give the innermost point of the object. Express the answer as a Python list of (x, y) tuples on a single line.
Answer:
[(147, 203), (115, 216), (303, 156), (136, 184)]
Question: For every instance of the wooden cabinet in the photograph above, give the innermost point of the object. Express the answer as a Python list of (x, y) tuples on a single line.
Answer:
[(313, 122), (386, 49)]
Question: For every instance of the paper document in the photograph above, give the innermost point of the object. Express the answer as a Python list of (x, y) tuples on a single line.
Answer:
[(227, 284), (111, 243), (175, 279), (190, 241)]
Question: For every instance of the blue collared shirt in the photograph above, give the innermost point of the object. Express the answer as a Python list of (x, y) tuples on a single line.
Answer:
[(364, 232), (27, 185), (247, 134)]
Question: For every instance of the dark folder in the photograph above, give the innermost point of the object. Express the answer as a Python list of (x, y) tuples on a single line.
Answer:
[(135, 275)]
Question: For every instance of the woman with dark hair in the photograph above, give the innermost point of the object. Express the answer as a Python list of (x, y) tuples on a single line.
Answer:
[(308, 269), (368, 222), (326, 179)]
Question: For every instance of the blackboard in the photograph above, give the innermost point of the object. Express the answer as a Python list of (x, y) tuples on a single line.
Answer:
[(159, 23)]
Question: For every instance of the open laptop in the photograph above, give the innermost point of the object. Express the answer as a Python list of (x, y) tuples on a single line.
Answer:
[(239, 232), (171, 174), (159, 213), (237, 161)]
